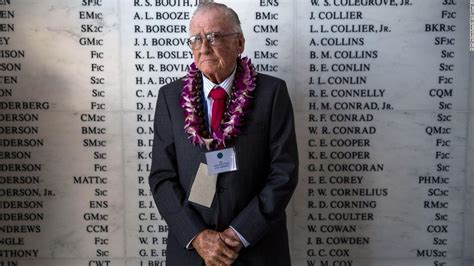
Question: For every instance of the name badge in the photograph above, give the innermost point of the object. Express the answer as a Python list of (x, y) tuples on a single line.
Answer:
[(221, 161)]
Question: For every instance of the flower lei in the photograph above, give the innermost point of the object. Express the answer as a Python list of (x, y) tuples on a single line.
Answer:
[(238, 106)]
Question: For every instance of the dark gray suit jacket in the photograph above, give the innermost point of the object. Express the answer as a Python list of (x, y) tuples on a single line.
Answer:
[(252, 199)]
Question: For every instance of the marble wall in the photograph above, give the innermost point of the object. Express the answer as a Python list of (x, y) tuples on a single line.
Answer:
[(382, 93)]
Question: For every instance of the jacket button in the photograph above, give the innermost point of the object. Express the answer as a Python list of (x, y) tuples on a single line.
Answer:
[(220, 189)]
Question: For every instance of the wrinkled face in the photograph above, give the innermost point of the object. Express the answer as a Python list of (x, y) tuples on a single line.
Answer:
[(216, 62)]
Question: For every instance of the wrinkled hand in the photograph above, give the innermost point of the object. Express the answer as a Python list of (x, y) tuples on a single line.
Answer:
[(231, 239), (212, 248)]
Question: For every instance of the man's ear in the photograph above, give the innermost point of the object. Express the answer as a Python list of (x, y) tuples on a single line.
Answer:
[(241, 44)]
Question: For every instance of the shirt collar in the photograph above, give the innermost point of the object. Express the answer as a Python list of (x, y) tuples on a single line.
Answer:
[(226, 84)]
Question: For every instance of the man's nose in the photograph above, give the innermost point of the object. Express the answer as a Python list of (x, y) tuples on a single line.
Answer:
[(205, 47)]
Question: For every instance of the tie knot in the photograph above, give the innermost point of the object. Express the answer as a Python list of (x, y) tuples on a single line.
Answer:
[(218, 93)]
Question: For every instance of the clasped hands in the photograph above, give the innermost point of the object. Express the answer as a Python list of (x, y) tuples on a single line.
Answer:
[(217, 248)]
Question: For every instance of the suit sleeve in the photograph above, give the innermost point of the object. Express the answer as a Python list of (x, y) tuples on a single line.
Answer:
[(183, 222), (268, 207)]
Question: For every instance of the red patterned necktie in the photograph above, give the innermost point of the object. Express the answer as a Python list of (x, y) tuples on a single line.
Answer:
[(219, 97)]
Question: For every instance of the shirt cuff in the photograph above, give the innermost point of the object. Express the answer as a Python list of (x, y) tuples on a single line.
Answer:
[(189, 245), (242, 239)]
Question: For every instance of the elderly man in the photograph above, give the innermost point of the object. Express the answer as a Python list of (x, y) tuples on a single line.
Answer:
[(224, 155)]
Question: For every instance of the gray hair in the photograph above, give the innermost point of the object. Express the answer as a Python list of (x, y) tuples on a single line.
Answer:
[(228, 12)]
